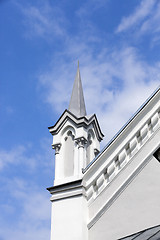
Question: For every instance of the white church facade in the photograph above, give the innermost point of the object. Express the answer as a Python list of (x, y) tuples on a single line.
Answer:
[(109, 194)]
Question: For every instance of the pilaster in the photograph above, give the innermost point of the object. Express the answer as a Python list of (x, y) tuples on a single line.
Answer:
[(58, 167), (81, 143), (69, 212)]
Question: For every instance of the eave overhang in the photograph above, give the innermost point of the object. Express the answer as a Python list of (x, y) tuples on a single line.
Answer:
[(121, 131)]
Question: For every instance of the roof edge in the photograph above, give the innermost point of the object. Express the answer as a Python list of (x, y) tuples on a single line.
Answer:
[(123, 127), (80, 120)]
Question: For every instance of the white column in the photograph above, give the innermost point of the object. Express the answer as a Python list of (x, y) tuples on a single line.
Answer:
[(81, 153), (58, 167), (76, 160)]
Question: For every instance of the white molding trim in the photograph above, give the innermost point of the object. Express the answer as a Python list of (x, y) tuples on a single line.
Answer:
[(139, 163), (66, 190), (120, 153)]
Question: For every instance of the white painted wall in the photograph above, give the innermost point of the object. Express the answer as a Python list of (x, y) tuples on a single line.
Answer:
[(135, 209), (69, 217)]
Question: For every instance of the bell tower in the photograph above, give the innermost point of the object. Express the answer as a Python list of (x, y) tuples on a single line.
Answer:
[(76, 137), (76, 141)]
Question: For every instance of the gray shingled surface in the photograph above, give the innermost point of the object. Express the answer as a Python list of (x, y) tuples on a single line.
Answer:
[(147, 234)]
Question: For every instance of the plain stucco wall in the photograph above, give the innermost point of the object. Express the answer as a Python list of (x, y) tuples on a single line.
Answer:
[(137, 208), (68, 220)]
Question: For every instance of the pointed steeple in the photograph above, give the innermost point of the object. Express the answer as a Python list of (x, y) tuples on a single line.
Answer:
[(77, 104)]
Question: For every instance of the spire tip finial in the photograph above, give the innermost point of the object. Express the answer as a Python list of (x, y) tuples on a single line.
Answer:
[(77, 104)]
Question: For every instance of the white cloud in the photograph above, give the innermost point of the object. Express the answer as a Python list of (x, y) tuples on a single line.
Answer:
[(89, 7), (25, 156), (115, 84), (152, 23), (14, 156), (42, 20), (141, 12), (143, 21), (116, 74), (32, 207), (25, 207)]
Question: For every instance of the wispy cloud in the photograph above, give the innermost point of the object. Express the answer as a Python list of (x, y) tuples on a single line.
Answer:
[(151, 25), (42, 20), (26, 157), (120, 76), (14, 156), (116, 74), (141, 12), (143, 21), (32, 208), (23, 191), (89, 7), (50, 21)]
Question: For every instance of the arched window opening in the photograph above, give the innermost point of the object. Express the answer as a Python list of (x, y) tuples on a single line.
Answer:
[(157, 154), (69, 155), (89, 150)]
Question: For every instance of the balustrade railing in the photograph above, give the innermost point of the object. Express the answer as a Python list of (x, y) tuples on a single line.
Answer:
[(115, 165)]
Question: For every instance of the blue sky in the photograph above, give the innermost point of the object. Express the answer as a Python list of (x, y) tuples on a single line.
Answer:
[(118, 46)]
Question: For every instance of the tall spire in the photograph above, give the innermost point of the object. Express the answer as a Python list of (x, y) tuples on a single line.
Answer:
[(77, 104)]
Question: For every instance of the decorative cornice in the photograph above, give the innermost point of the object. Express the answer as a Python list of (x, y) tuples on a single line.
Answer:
[(109, 163), (80, 122), (66, 190), (109, 192)]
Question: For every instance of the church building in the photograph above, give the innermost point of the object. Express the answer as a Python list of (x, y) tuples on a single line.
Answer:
[(107, 194)]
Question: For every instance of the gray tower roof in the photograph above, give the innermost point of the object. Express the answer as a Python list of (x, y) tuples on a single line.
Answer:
[(77, 104)]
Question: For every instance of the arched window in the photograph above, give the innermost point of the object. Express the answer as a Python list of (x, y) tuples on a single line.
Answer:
[(89, 149), (69, 155)]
